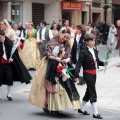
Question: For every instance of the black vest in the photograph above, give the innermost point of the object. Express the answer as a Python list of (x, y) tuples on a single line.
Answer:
[(47, 38)]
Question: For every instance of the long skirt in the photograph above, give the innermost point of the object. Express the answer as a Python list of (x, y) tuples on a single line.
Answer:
[(60, 101), (37, 94), (30, 54)]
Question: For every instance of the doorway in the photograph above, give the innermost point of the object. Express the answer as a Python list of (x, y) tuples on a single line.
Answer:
[(96, 18), (84, 17), (66, 15)]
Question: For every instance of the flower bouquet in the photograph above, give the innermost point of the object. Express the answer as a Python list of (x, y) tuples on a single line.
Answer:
[(65, 71), (107, 56)]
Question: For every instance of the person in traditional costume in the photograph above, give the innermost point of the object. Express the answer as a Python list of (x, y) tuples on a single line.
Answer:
[(64, 94), (9, 32), (118, 39), (30, 54), (78, 45), (43, 36), (88, 58), (111, 42), (10, 63), (45, 92)]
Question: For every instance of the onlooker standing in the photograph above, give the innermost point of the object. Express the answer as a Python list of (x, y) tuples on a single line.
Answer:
[(22, 32), (118, 37), (54, 29), (17, 32), (96, 33), (78, 45), (59, 26), (111, 42)]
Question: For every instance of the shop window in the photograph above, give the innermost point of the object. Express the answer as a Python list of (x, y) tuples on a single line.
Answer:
[(16, 12)]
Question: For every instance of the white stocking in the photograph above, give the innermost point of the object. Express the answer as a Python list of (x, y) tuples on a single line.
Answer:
[(94, 107), (9, 88), (83, 106)]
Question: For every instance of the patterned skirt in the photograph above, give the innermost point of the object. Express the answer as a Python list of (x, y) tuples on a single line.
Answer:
[(60, 101), (30, 54)]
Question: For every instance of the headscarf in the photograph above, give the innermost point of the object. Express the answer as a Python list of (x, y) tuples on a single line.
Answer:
[(111, 31)]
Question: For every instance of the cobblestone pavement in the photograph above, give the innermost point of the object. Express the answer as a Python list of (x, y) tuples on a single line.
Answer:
[(108, 89)]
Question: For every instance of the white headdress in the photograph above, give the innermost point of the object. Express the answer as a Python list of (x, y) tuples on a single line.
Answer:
[(7, 24)]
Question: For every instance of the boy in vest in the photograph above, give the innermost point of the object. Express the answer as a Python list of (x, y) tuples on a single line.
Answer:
[(89, 60)]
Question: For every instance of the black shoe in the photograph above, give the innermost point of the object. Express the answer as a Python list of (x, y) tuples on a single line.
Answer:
[(84, 113), (10, 98), (46, 111), (58, 114), (98, 116)]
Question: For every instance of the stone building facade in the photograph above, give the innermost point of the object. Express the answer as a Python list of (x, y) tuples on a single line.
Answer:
[(52, 10)]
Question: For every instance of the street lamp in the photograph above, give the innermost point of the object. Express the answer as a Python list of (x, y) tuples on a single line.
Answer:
[(105, 6)]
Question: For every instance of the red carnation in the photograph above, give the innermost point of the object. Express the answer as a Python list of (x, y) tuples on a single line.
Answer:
[(59, 69), (21, 46)]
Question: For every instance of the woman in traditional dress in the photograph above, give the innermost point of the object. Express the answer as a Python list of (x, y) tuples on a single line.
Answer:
[(45, 92), (9, 32), (111, 42), (30, 53), (54, 29)]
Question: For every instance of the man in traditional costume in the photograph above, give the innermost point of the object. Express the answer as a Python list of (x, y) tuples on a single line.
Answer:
[(43, 36), (9, 64)]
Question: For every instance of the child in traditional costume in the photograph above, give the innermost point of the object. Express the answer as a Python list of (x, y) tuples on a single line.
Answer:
[(89, 60)]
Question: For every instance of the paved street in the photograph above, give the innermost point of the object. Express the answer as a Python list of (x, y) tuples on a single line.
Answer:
[(108, 89)]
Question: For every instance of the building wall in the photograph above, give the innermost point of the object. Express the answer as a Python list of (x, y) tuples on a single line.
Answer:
[(53, 11), (1, 10), (4, 11), (101, 12)]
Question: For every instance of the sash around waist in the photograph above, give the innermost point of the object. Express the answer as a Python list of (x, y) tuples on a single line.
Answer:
[(93, 71)]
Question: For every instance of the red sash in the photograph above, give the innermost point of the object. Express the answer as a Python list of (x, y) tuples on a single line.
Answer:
[(4, 61), (90, 71), (93, 71)]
